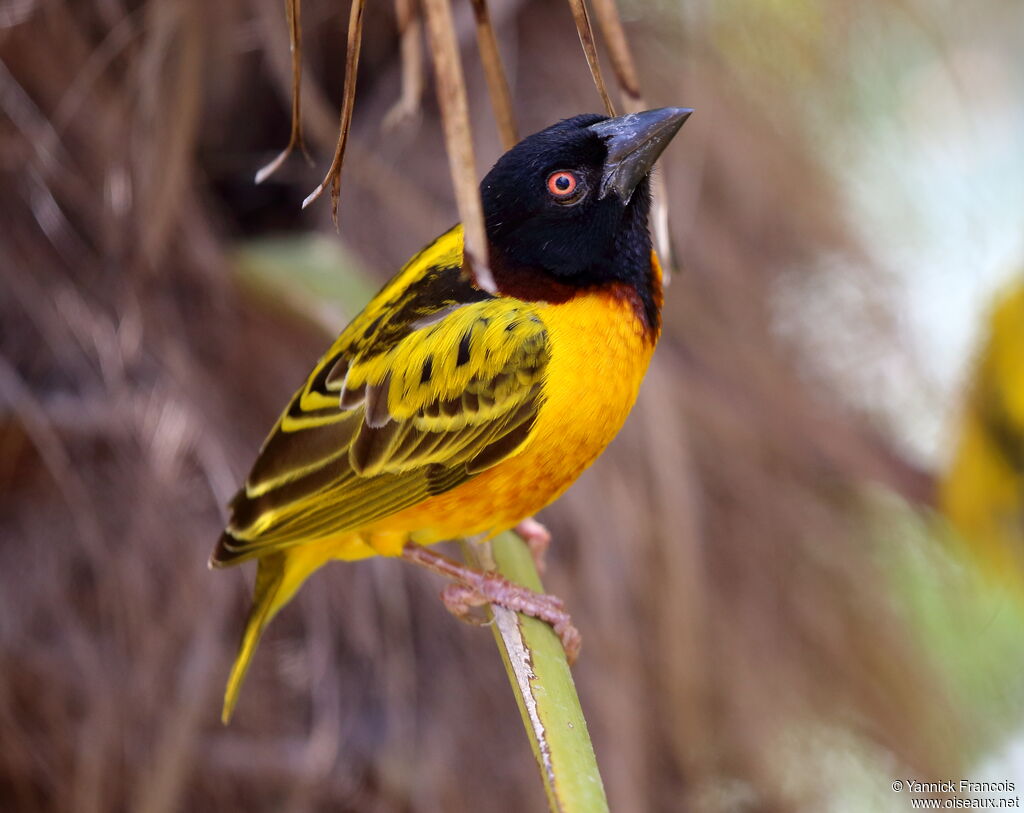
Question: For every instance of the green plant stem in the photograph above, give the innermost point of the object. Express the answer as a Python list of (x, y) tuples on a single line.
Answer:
[(543, 686)]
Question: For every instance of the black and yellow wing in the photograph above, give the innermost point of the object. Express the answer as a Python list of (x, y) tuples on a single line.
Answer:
[(434, 382)]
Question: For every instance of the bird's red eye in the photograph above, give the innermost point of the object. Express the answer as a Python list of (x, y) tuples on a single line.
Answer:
[(562, 184)]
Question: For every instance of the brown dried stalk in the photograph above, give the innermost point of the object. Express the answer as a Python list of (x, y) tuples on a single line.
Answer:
[(451, 95), (333, 177), (621, 56), (586, 32), (628, 79), (497, 84), (293, 11), (410, 34)]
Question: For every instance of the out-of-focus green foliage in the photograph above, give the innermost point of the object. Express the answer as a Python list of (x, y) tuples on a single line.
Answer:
[(968, 624), (311, 274)]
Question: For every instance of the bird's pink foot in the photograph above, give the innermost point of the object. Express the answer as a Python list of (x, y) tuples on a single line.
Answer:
[(475, 588), (538, 540)]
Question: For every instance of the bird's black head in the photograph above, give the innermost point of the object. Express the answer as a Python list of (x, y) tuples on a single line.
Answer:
[(571, 202)]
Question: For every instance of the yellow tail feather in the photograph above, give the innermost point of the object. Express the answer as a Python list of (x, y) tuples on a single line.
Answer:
[(278, 577)]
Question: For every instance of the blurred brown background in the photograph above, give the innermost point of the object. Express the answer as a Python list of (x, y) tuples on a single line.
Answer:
[(744, 649)]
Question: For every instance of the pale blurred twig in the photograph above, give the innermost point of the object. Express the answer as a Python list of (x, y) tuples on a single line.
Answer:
[(410, 38)]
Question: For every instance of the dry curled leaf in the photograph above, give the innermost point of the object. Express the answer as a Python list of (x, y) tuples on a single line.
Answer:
[(333, 176), (293, 12)]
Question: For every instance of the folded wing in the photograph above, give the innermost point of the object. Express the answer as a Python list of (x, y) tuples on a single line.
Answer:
[(406, 405)]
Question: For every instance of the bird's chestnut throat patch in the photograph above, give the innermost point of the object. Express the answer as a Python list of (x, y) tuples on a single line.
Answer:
[(643, 291)]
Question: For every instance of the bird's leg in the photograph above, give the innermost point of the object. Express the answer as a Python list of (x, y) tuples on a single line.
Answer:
[(537, 538), (475, 588)]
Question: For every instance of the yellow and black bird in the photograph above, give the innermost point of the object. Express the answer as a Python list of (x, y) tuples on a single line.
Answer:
[(444, 411), (982, 491)]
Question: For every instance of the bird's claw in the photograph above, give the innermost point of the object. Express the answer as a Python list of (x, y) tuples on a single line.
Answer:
[(460, 600), (491, 588), (472, 588)]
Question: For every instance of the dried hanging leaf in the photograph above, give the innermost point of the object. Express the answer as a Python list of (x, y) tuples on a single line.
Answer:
[(497, 85), (451, 95), (333, 177), (586, 32), (293, 11), (410, 33)]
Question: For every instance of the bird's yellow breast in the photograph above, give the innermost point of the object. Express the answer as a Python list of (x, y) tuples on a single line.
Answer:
[(600, 348)]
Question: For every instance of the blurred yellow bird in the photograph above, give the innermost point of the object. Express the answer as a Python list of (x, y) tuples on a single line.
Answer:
[(444, 411), (983, 490)]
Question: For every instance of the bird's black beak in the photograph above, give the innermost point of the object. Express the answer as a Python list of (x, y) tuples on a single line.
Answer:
[(634, 143)]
